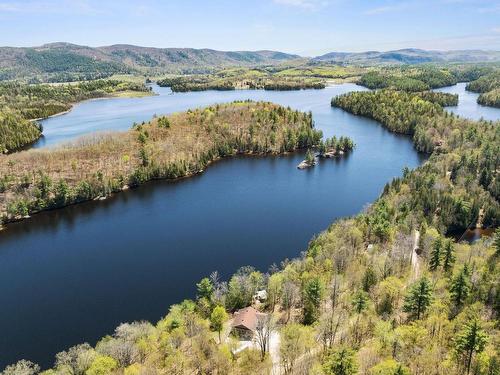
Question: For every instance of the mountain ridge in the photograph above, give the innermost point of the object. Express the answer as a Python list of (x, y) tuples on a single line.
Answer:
[(410, 56), (62, 61)]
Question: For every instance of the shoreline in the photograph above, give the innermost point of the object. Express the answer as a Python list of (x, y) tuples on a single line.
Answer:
[(5, 223), (18, 207), (72, 105)]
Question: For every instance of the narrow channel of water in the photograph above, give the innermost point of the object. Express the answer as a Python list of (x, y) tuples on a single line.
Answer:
[(467, 104), (72, 275)]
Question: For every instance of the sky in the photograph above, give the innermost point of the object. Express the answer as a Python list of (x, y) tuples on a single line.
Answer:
[(305, 27)]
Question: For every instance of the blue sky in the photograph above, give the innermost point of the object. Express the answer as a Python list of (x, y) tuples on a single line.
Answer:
[(306, 27)]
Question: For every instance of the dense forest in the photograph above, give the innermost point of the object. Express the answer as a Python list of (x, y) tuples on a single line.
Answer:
[(20, 103), (232, 79), (489, 87), (387, 292), (490, 98), (408, 79), (413, 78), (16, 131), (168, 147)]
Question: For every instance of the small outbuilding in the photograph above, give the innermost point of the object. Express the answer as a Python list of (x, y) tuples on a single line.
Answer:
[(260, 296)]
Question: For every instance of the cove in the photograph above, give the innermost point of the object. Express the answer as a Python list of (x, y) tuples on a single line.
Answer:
[(72, 275)]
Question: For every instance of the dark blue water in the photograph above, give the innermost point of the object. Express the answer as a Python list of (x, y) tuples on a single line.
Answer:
[(72, 275)]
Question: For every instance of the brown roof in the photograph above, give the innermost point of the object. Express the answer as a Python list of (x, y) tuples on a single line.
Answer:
[(246, 318)]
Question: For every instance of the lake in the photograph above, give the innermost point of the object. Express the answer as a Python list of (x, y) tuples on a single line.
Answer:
[(467, 104), (72, 275)]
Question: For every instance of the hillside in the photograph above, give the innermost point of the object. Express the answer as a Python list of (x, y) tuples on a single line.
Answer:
[(59, 62), (409, 56)]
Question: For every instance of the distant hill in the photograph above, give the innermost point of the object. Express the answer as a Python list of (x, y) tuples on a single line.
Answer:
[(61, 61), (409, 56)]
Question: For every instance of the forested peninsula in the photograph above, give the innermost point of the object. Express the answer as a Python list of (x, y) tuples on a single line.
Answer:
[(167, 147), (387, 292), (22, 103), (488, 86), (240, 79)]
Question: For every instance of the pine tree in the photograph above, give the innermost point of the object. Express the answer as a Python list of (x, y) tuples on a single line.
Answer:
[(449, 255), (460, 287), (471, 340), (359, 303), (497, 242), (419, 298), (369, 279), (205, 288), (313, 292), (341, 362), (435, 260), (310, 158)]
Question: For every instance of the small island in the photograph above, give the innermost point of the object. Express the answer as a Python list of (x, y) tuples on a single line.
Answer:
[(329, 148)]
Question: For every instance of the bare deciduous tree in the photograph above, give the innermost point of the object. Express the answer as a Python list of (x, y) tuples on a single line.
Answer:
[(263, 330)]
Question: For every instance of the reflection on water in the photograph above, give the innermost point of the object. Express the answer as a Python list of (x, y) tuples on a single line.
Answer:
[(474, 234), (72, 275)]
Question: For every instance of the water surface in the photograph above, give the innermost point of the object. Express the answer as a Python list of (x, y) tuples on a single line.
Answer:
[(467, 104), (72, 275)]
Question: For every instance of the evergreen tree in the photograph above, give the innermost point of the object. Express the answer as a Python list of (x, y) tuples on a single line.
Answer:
[(369, 279), (471, 340), (341, 362), (313, 292), (360, 302), (449, 255), (419, 298), (460, 287), (205, 288), (310, 157), (497, 242), (435, 260)]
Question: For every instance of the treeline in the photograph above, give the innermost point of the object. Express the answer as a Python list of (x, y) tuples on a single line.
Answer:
[(195, 83), (490, 98), (233, 79), (97, 166), (410, 79), (335, 146), (485, 83), (470, 156), (421, 78), (399, 111), (489, 87), (17, 132), (21, 102), (382, 293)]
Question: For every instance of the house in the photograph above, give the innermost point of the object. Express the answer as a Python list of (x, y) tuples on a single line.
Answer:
[(245, 322)]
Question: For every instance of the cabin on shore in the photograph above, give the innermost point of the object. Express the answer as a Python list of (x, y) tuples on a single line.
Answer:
[(245, 322)]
